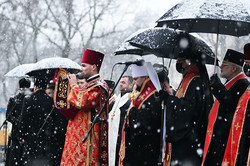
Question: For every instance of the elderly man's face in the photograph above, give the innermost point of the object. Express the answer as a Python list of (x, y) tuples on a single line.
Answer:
[(226, 69)]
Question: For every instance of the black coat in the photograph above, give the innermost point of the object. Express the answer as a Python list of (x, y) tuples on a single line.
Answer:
[(186, 124), (58, 124), (228, 100), (143, 134), (13, 112), (34, 112)]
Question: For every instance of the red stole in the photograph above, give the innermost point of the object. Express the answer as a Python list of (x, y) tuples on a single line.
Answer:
[(231, 152), (213, 116), (62, 90), (147, 90), (180, 93)]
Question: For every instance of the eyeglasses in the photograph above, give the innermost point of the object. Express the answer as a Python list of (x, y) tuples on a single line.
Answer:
[(224, 64)]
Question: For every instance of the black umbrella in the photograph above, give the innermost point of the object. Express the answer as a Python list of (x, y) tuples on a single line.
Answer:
[(127, 48), (231, 17), (46, 68), (168, 43)]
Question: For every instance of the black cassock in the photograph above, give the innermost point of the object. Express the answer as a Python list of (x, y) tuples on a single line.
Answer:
[(186, 124), (143, 134), (228, 100)]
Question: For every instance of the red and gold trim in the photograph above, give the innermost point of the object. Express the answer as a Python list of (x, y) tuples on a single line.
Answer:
[(231, 152), (213, 116), (137, 100), (62, 90), (147, 90)]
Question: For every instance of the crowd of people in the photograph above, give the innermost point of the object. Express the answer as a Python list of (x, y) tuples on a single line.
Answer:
[(72, 121)]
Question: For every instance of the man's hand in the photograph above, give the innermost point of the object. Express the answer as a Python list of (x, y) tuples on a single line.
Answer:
[(214, 80), (72, 79)]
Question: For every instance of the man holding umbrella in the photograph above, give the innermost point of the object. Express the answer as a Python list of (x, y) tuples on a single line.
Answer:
[(221, 114), (89, 102), (187, 111)]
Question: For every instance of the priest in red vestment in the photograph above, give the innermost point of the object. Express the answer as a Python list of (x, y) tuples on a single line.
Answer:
[(237, 151), (221, 115), (89, 102)]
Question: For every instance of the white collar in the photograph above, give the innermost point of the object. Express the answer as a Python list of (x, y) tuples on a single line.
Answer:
[(234, 77)]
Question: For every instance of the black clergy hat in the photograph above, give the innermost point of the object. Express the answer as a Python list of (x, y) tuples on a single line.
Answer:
[(234, 57)]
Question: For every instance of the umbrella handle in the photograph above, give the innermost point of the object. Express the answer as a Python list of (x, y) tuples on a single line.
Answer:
[(216, 52)]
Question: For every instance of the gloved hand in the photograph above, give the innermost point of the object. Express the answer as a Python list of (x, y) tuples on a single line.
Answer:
[(214, 80)]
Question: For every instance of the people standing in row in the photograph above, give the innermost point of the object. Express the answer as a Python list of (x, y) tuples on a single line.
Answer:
[(88, 101), (116, 118), (35, 136), (186, 111), (141, 130), (221, 114), (13, 112)]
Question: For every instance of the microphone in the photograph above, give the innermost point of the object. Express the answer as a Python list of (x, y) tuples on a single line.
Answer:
[(138, 62), (78, 76)]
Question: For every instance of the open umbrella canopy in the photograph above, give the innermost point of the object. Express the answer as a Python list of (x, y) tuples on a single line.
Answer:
[(231, 17), (168, 43), (127, 48), (20, 71), (46, 68)]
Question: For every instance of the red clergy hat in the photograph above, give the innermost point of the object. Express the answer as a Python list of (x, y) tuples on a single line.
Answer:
[(247, 51), (92, 57)]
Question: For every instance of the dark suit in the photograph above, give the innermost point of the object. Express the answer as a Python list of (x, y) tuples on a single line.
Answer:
[(228, 100)]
